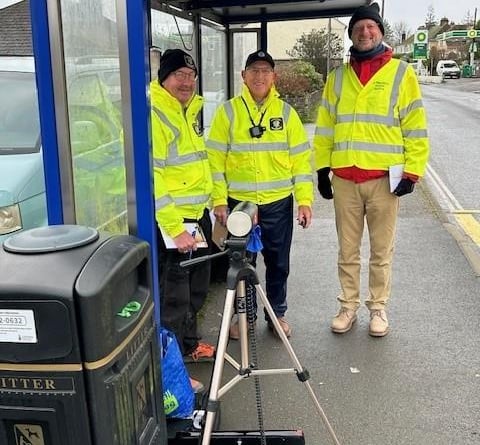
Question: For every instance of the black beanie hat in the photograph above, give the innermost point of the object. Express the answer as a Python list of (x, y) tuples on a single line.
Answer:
[(173, 59), (259, 56), (371, 12)]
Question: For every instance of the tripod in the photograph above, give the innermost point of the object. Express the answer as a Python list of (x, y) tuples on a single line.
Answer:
[(239, 271)]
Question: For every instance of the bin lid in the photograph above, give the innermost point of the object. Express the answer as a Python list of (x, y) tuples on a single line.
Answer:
[(50, 239)]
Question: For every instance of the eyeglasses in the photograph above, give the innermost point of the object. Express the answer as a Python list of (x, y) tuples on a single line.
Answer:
[(262, 71), (182, 76)]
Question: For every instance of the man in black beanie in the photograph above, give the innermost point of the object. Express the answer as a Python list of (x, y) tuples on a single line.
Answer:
[(371, 12), (173, 59), (371, 118), (182, 184)]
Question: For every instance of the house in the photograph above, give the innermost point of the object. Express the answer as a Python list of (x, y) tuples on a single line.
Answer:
[(15, 30), (282, 36), (442, 44)]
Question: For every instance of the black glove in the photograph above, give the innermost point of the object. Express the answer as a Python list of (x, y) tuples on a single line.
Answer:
[(324, 185), (404, 186)]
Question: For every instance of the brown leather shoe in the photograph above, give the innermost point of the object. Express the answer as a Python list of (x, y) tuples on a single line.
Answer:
[(284, 324), (234, 332), (378, 323), (343, 321), (197, 386)]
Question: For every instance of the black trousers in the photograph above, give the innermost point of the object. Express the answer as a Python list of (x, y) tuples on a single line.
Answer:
[(183, 290), (276, 223)]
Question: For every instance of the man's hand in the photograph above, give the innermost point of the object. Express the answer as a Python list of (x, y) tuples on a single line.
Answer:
[(404, 186), (324, 184), (185, 242), (304, 216), (221, 213)]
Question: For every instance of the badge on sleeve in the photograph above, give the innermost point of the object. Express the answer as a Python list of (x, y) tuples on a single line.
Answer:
[(276, 123)]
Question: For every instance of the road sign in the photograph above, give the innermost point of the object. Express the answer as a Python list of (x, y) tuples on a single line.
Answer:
[(420, 50), (458, 34), (421, 36), (473, 47)]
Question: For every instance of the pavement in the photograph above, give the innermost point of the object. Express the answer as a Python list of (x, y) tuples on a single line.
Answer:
[(418, 385)]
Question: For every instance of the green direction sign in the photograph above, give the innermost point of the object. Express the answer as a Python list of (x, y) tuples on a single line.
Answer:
[(420, 50), (472, 33), (458, 34)]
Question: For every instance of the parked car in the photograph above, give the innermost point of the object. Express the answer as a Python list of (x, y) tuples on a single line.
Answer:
[(97, 152), (22, 186), (448, 68)]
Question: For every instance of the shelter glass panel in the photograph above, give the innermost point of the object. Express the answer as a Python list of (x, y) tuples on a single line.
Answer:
[(214, 70), (95, 118), (169, 32), (244, 43)]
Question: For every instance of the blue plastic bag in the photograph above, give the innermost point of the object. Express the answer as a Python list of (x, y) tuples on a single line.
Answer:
[(254, 243), (178, 396)]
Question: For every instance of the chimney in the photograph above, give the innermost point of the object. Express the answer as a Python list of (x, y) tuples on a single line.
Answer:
[(404, 36), (444, 21)]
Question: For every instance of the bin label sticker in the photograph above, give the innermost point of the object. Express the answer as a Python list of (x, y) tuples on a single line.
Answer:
[(28, 435), (17, 326)]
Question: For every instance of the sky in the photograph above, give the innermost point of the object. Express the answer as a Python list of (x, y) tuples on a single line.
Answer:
[(4, 3), (413, 12)]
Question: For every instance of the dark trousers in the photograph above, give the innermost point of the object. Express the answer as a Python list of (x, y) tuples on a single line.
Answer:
[(183, 290), (276, 223)]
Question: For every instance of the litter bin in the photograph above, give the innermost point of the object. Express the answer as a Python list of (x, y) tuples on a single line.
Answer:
[(467, 71), (78, 350)]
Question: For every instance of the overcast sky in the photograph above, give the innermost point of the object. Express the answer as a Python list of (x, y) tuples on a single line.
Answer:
[(413, 12), (4, 3)]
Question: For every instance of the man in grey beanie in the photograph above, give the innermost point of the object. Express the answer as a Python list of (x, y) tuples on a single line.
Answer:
[(371, 118)]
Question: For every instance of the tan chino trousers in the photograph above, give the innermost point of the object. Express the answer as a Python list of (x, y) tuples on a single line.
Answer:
[(354, 203)]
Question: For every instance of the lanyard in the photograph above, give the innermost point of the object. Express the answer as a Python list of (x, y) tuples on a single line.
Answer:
[(250, 116)]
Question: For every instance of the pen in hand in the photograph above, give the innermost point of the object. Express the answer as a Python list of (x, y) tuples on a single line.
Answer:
[(191, 250)]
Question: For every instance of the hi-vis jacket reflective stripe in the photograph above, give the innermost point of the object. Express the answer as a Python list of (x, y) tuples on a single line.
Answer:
[(372, 126), (261, 170), (183, 181)]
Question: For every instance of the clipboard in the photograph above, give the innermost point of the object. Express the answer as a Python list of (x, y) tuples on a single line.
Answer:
[(219, 235), (395, 173), (194, 229)]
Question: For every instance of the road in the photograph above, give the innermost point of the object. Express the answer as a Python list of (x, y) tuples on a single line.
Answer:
[(453, 177), (453, 115)]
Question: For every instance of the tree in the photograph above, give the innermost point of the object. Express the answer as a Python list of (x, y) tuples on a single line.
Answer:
[(313, 48), (430, 19), (399, 30), (299, 84), (468, 19), (389, 36)]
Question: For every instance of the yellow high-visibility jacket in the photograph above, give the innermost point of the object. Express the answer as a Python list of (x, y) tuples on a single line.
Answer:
[(182, 176), (265, 169), (372, 126)]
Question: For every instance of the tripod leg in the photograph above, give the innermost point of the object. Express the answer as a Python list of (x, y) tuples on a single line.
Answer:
[(242, 323), (212, 406), (302, 373)]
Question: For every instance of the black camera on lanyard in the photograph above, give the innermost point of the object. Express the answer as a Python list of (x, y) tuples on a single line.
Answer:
[(257, 131)]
